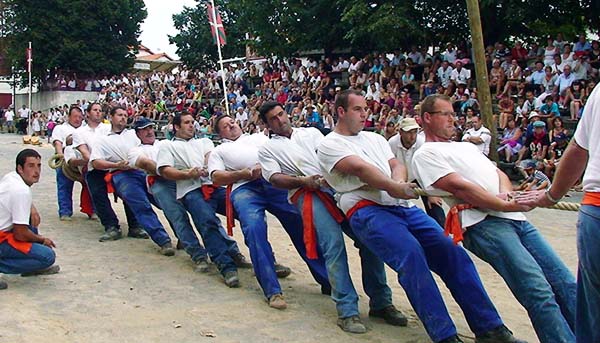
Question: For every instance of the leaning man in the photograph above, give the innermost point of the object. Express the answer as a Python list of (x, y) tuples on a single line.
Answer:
[(22, 250)]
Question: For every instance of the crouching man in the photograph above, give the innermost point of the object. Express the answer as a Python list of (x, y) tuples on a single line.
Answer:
[(22, 250)]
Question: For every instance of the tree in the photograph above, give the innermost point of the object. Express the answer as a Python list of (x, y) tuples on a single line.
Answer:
[(79, 36), (195, 45)]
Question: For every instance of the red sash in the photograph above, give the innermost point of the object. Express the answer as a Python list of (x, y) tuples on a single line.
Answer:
[(207, 191), (110, 188), (358, 206), (453, 226), (591, 198), (229, 210), (9, 237), (310, 235)]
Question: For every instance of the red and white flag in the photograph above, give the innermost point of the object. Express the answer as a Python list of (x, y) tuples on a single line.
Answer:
[(216, 26)]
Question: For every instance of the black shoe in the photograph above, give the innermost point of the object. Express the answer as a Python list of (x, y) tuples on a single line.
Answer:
[(231, 279), (282, 271), (46, 271), (453, 339), (201, 266), (111, 234), (391, 315), (500, 334), (240, 261), (137, 232), (326, 290), (167, 249), (3, 284)]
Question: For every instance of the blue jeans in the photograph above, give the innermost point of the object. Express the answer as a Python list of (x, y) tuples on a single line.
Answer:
[(217, 202), (97, 186), (250, 201), (412, 244), (587, 325), (131, 187), (534, 273), (165, 194), (331, 243), (64, 192), (12, 261), (209, 227)]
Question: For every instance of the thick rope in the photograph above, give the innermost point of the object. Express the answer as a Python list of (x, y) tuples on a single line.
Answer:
[(56, 161), (561, 205)]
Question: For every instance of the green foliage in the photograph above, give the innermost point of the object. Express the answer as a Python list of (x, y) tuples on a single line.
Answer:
[(81, 36), (291, 26), (194, 41)]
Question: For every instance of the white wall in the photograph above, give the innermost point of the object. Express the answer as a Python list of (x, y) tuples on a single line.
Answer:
[(45, 100)]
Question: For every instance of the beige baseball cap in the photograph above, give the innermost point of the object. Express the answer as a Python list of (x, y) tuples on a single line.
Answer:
[(408, 124)]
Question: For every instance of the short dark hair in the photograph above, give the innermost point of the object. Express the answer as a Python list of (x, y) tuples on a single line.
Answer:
[(217, 120), (342, 99), (22, 157), (74, 108), (177, 118), (113, 110), (89, 108), (429, 102), (266, 107)]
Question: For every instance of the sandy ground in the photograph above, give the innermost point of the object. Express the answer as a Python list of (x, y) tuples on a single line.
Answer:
[(125, 291)]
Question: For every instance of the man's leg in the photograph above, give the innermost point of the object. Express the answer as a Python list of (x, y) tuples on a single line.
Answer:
[(131, 187), (385, 232), (455, 267), (64, 191), (250, 207), (99, 194), (217, 201), (588, 277), (208, 224), (559, 277), (496, 241), (12, 261), (291, 220), (374, 280), (165, 194), (331, 243)]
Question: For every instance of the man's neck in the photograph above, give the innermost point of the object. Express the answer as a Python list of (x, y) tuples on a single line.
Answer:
[(405, 145), (430, 137), (93, 124)]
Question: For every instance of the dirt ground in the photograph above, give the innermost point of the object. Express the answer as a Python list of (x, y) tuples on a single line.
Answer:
[(125, 291)]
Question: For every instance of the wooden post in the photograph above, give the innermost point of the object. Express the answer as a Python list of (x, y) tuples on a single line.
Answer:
[(483, 88)]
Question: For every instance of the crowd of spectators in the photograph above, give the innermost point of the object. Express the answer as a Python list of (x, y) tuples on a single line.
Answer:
[(534, 84)]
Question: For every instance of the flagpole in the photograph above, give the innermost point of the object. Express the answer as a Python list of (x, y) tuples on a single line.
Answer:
[(214, 23), (29, 62)]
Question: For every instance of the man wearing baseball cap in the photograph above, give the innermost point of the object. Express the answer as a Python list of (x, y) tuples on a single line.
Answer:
[(404, 145)]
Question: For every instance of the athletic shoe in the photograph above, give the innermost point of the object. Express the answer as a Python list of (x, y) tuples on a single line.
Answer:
[(201, 266), (111, 234), (137, 232), (352, 324), (282, 271), (277, 302), (167, 249), (231, 279), (46, 271), (391, 315), (500, 334)]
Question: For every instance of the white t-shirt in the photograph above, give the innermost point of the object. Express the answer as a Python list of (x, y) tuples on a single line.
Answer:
[(482, 133), (15, 201), (237, 155), (181, 154), (296, 156), (23, 112), (587, 137), (61, 132), (435, 160), (115, 147), (88, 136), (460, 77), (404, 155), (149, 151), (444, 76), (370, 147), (9, 115)]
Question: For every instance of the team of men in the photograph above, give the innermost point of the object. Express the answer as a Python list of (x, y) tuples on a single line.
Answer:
[(318, 187)]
